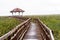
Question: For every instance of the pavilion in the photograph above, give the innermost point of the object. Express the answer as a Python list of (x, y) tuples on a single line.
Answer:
[(17, 10)]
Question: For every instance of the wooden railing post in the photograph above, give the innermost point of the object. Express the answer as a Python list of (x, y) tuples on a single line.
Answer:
[(46, 30), (9, 38), (17, 31)]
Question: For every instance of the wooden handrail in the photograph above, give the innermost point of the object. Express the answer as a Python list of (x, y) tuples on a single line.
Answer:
[(12, 33), (47, 31)]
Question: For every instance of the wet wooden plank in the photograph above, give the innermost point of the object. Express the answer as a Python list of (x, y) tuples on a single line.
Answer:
[(34, 33)]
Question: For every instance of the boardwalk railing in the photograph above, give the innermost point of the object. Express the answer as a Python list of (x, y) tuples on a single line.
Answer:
[(18, 17), (18, 32), (46, 30)]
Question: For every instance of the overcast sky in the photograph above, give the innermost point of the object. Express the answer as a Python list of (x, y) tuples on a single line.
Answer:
[(31, 7)]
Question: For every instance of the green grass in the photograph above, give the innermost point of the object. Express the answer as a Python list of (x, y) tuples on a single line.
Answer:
[(53, 22), (6, 24)]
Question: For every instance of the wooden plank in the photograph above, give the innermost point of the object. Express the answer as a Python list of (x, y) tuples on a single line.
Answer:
[(13, 30), (48, 29)]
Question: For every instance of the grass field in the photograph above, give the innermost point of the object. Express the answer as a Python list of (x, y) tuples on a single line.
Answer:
[(6, 24), (53, 22)]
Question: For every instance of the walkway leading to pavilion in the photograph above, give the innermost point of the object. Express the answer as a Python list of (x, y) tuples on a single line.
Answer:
[(34, 32)]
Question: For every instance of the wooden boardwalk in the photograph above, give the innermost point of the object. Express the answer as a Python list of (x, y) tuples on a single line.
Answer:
[(34, 32), (28, 30)]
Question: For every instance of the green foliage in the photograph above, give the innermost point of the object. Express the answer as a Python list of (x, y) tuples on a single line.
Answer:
[(6, 24), (53, 22)]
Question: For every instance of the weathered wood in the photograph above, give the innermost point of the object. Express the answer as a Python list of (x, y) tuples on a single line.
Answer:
[(16, 31), (47, 31)]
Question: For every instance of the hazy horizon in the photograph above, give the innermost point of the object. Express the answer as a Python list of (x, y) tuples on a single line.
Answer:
[(31, 7)]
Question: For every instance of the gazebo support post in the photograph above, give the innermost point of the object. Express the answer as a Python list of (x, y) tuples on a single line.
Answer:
[(19, 13), (22, 13), (12, 13)]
